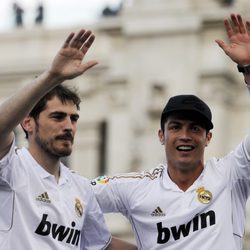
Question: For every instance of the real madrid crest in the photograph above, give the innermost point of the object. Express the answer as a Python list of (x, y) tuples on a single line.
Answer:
[(78, 207), (204, 196)]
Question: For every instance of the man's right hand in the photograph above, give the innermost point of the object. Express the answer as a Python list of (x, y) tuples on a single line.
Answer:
[(67, 64)]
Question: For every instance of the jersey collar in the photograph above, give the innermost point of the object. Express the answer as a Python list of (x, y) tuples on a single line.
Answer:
[(45, 174), (170, 185)]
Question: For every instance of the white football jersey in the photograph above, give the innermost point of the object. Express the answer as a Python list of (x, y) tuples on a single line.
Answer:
[(209, 215), (37, 213)]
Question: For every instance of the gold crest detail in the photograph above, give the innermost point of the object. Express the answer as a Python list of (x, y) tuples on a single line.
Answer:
[(204, 196), (78, 208)]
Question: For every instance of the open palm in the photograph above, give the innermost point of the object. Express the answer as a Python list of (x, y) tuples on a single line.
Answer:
[(239, 37), (68, 62)]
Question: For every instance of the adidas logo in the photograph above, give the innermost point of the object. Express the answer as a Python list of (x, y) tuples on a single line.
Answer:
[(44, 197), (158, 212)]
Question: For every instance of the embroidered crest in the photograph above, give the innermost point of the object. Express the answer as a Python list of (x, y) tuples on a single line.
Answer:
[(78, 207), (204, 196)]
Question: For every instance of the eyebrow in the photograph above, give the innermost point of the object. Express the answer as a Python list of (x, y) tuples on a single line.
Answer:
[(63, 114)]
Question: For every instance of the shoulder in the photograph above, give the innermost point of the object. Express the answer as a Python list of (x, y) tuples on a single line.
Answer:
[(74, 176), (15, 156), (148, 175)]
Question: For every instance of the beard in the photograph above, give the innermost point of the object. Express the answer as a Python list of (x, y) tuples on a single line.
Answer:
[(49, 145)]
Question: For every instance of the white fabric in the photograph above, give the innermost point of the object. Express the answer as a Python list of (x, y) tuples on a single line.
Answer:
[(248, 87), (164, 217), (37, 213)]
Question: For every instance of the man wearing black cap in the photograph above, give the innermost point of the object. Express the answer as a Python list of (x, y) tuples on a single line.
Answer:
[(187, 204), (185, 130)]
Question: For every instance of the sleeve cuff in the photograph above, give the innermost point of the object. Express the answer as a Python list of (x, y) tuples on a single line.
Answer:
[(5, 160), (247, 147)]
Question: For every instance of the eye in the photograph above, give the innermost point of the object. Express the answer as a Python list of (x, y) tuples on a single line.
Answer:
[(58, 117), (196, 128), (174, 127), (74, 118)]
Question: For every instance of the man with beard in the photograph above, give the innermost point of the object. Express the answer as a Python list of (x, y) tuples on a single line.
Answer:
[(43, 205), (186, 203)]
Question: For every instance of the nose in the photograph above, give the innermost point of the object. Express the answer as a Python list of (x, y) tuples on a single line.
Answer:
[(68, 124), (185, 134)]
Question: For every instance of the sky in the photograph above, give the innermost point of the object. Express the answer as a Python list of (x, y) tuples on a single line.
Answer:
[(57, 13)]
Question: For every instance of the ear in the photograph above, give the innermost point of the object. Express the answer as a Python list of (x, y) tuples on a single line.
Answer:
[(161, 137), (28, 124), (209, 137)]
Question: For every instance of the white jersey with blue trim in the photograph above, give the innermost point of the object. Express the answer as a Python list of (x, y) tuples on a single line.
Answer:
[(209, 215), (38, 213)]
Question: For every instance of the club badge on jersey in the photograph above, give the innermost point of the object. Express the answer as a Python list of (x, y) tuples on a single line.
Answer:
[(204, 196), (78, 208)]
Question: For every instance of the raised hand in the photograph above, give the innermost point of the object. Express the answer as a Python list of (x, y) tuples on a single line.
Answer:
[(68, 62), (238, 34)]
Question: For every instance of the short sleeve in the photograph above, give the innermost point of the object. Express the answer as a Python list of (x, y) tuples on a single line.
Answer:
[(95, 235), (5, 161), (246, 147), (6, 194), (112, 193)]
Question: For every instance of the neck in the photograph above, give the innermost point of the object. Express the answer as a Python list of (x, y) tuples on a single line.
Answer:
[(184, 178), (47, 161)]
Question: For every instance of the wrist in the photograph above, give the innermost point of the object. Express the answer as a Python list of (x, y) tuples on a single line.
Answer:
[(245, 69), (53, 77), (247, 79)]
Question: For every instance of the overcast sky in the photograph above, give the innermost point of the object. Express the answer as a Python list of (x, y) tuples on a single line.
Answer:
[(57, 13)]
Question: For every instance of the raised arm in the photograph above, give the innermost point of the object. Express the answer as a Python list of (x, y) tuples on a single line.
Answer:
[(238, 48), (67, 64)]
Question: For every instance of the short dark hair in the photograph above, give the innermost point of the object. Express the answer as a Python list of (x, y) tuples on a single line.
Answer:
[(64, 93)]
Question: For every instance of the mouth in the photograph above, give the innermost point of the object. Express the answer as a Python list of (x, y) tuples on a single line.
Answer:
[(65, 137), (185, 148)]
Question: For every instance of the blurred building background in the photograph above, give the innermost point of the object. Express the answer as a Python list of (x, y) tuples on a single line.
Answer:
[(147, 52)]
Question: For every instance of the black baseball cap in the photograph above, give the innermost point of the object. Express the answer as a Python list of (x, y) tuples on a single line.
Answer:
[(190, 103)]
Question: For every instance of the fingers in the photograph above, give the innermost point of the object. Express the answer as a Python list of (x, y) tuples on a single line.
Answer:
[(228, 28), (221, 44), (67, 41), (87, 44), (84, 37), (81, 41), (241, 25), (248, 27), (224, 46), (236, 25), (76, 41)]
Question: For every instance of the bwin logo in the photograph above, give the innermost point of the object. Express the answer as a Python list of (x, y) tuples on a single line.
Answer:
[(198, 222), (70, 235)]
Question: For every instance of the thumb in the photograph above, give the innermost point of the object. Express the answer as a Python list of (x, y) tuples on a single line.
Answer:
[(88, 65), (221, 44)]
